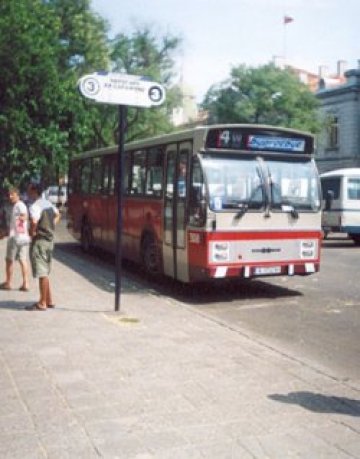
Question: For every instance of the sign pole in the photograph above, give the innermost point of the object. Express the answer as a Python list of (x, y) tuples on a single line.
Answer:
[(122, 90), (120, 174)]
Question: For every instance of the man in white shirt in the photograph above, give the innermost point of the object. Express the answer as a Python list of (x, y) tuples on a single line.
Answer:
[(43, 217), (18, 241)]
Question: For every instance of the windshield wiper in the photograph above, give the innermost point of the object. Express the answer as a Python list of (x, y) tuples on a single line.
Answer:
[(245, 206)]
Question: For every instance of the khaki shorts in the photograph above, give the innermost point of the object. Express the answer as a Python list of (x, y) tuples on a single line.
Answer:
[(15, 251), (41, 256)]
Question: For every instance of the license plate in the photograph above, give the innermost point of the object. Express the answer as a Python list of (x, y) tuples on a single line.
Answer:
[(262, 271)]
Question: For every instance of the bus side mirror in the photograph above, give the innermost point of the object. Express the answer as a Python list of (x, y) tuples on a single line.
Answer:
[(329, 198)]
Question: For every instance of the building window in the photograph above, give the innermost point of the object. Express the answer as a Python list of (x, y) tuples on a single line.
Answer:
[(332, 132)]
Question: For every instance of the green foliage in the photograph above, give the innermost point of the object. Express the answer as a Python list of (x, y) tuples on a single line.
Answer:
[(45, 46), (263, 95), (42, 51), (145, 53)]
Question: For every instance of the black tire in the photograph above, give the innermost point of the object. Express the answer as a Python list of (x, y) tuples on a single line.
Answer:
[(86, 238), (151, 256)]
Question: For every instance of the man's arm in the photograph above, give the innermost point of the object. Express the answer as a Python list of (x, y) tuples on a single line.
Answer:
[(57, 218), (33, 227)]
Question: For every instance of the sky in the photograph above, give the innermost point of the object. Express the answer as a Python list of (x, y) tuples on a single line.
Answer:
[(220, 34)]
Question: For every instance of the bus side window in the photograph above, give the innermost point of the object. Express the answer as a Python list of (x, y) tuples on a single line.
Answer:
[(127, 172), (138, 173), (108, 179), (96, 176), (85, 176), (154, 172), (331, 184), (353, 189), (75, 177)]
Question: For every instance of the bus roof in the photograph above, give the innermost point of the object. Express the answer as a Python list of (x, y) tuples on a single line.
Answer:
[(200, 135), (342, 172)]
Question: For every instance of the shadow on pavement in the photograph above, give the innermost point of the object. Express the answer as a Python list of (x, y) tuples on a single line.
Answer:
[(340, 244), (338, 241), (14, 305), (320, 403), (99, 269)]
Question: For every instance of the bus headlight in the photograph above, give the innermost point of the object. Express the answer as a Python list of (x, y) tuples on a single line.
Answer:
[(220, 251), (308, 249)]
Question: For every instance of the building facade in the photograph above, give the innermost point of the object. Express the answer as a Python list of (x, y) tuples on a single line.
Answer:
[(338, 145)]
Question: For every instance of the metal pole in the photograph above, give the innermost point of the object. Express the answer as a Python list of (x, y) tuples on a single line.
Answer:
[(120, 172)]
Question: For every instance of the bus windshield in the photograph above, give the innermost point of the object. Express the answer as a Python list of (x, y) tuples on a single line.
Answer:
[(293, 183), (248, 183)]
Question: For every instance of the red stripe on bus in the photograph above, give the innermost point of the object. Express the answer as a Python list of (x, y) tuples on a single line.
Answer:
[(256, 235)]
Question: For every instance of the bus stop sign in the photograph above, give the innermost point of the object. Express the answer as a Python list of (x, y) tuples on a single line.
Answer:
[(121, 89)]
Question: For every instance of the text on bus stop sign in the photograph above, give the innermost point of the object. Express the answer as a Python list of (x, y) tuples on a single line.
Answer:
[(121, 89)]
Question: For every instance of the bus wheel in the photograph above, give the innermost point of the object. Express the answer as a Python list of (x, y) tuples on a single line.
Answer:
[(151, 256), (86, 238)]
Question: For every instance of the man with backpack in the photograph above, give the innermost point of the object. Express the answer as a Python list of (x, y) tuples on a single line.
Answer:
[(43, 218)]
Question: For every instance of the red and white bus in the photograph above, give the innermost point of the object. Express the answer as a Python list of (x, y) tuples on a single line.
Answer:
[(211, 202)]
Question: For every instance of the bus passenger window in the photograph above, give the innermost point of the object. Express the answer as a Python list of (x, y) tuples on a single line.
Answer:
[(353, 189), (127, 172), (108, 181), (75, 177), (331, 184), (96, 184), (138, 173), (85, 176), (154, 173)]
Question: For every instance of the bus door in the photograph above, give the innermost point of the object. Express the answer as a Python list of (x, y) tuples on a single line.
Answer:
[(175, 216)]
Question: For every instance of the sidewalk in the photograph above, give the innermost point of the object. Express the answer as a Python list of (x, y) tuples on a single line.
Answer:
[(158, 380)]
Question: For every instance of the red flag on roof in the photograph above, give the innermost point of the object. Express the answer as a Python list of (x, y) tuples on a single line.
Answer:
[(288, 19)]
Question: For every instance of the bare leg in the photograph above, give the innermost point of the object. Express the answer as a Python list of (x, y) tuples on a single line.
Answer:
[(49, 300), (9, 272), (44, 291), (25, 273)]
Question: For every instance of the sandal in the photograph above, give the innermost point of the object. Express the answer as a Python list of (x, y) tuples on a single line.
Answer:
[(52, 306), (23, 289), (4, 286), (35, 307)]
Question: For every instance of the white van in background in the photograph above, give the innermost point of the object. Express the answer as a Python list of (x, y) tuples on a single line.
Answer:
[(57, 195), (341, 202)]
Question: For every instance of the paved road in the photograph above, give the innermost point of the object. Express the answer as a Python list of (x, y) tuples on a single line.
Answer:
[(316, 318)]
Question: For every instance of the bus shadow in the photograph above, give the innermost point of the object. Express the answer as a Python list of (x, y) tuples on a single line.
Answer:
[(339, 244), (99, 269), (223, 291)]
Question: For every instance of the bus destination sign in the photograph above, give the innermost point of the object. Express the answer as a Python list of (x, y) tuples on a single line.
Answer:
[(253, 139), (261, 142)]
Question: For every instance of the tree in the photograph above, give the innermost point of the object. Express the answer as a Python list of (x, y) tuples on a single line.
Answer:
[(28, 88), (146, 53), (42, 53), (45, 46), (265, 95)]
